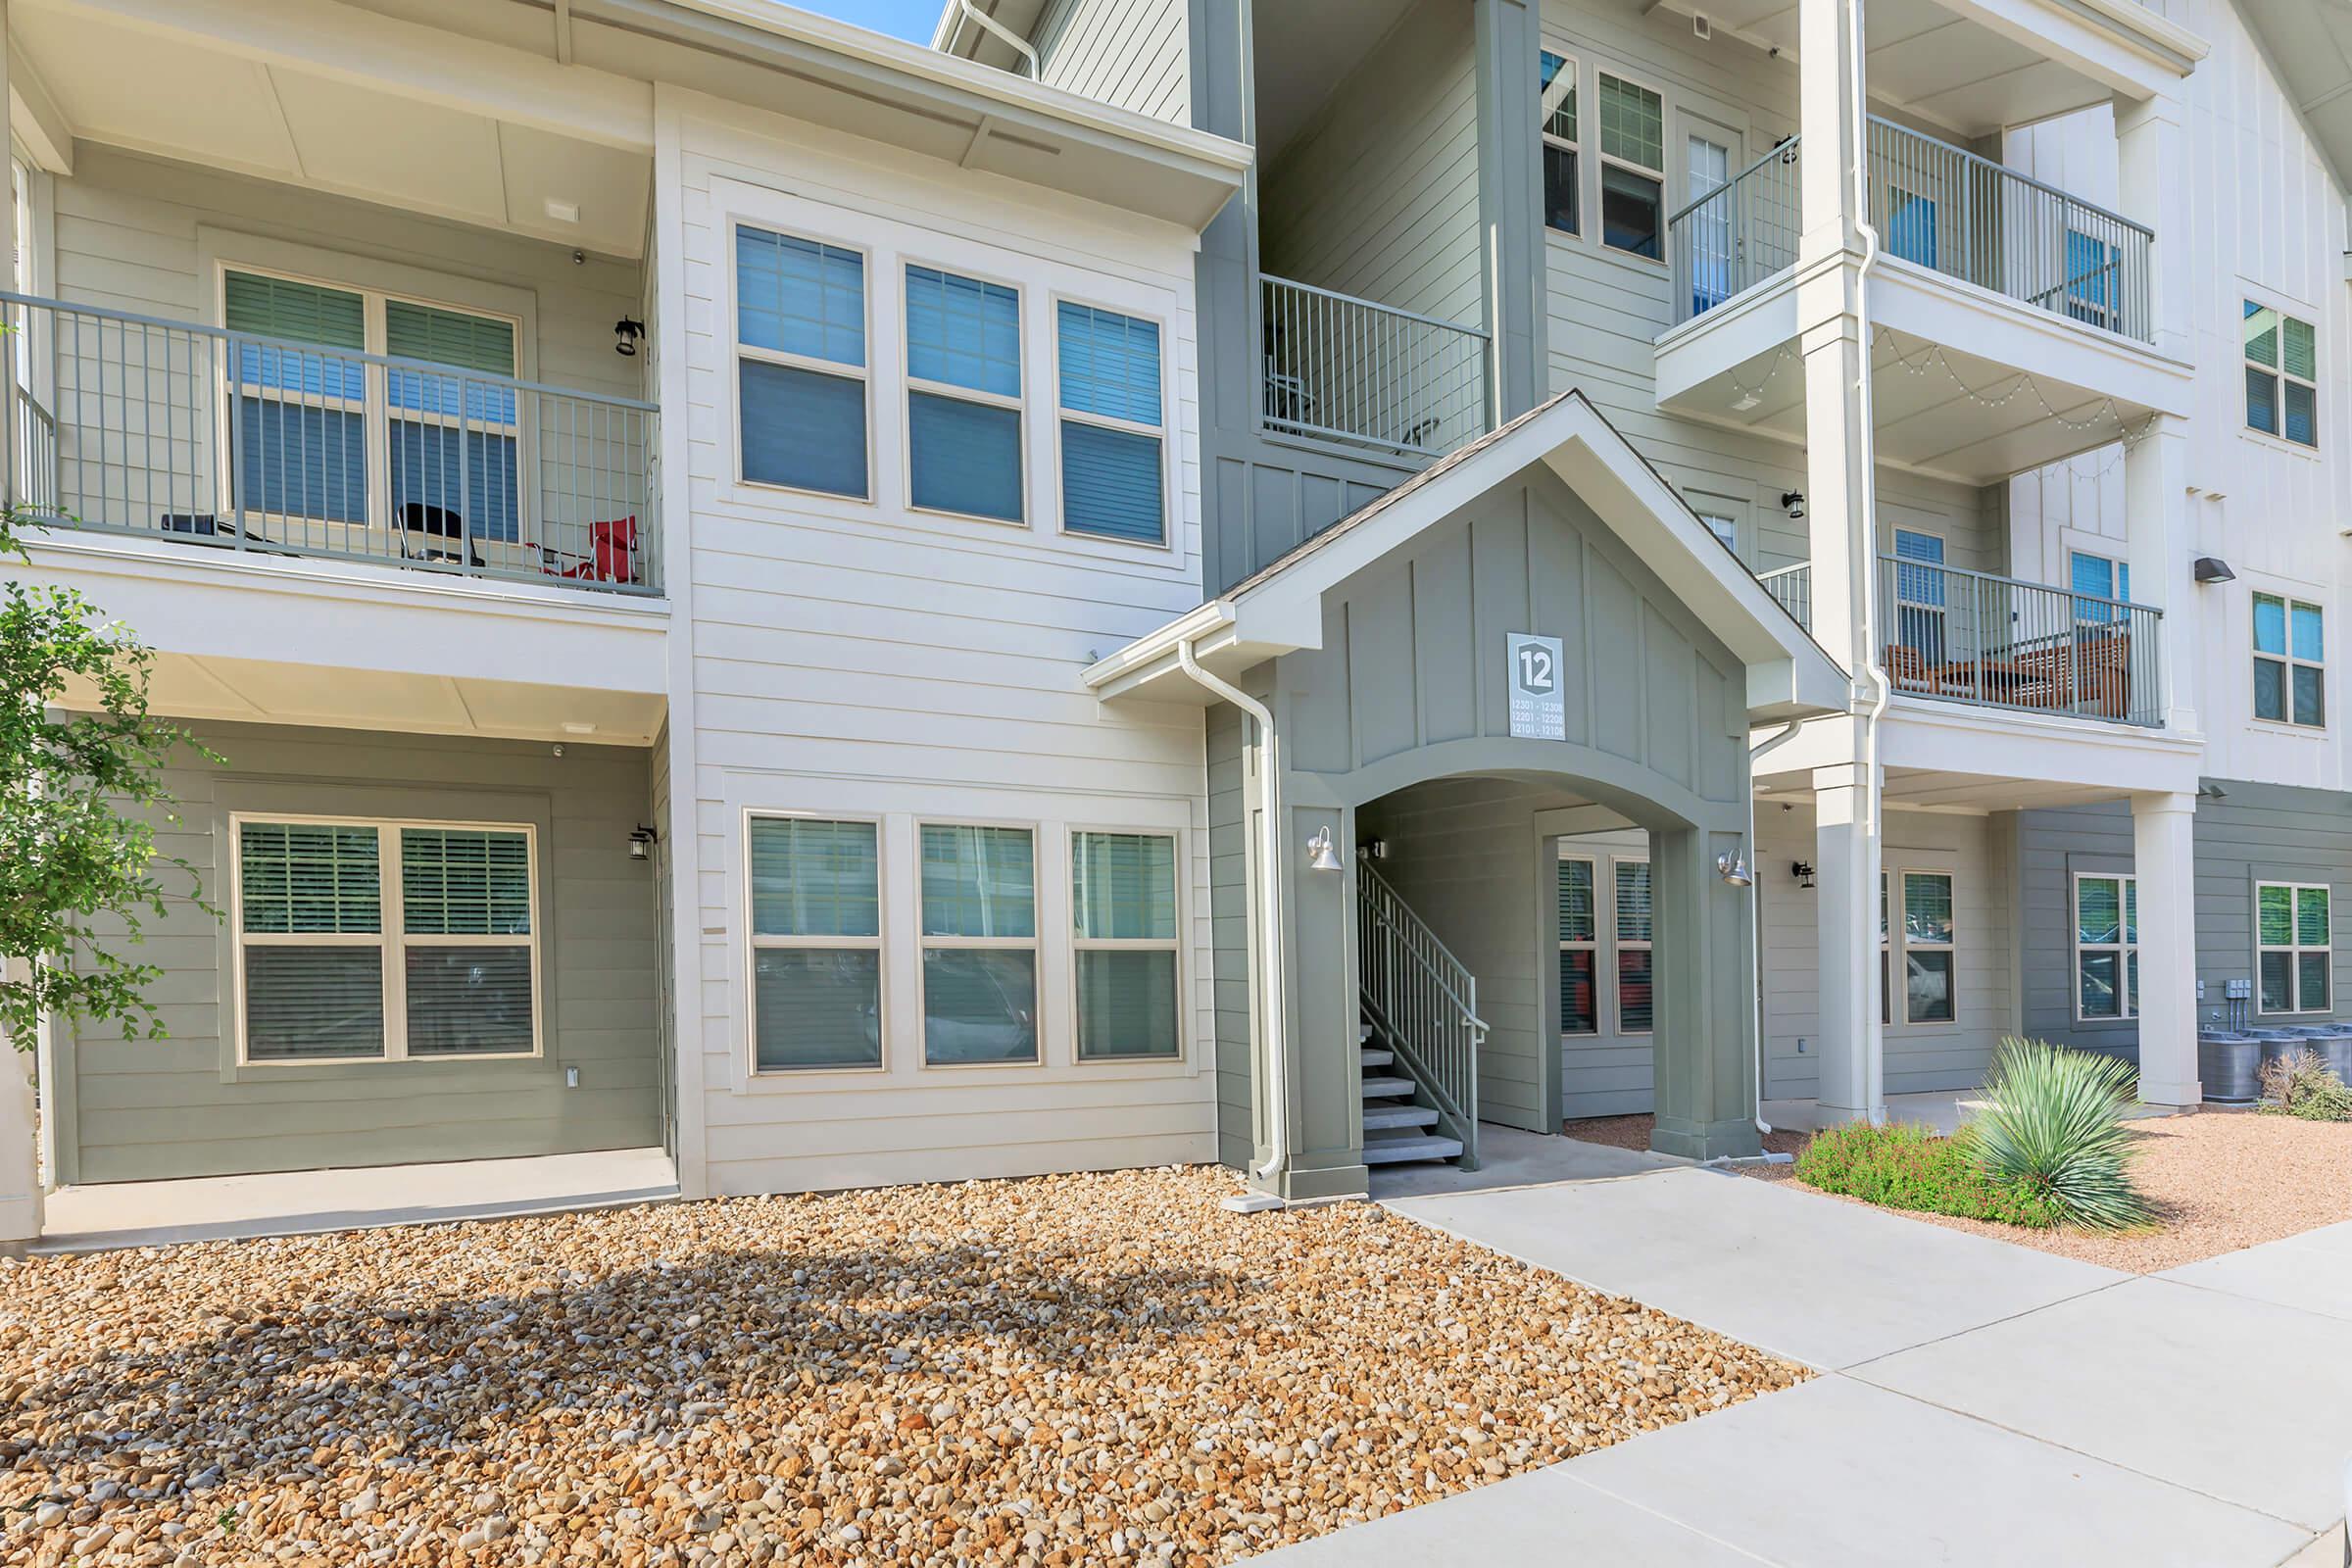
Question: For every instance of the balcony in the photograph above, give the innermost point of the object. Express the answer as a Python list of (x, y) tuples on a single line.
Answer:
[(1998, 642), (1388, 381), (262, 447)]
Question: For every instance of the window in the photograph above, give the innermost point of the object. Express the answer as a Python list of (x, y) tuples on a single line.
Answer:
[(1911, 227), (2290, 669), (1723, 527), (1580, 951), (1928, 947), (979, 945), (299, 422), (2295, 947), (2095, 289), (2283, 373), (1919, 595), (1111, 448), (2095, 578), (963, 395), (1632, 168), (1123, 920), (1633, 953), (1709, 169), (800, 351), (367, 942), (817, 944), (1561, 144), (1886, 991), (2106, 946)]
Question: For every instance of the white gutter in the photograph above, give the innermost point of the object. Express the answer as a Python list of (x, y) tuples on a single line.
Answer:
[(1882, 688), (1755, 909), (1277, 1111)]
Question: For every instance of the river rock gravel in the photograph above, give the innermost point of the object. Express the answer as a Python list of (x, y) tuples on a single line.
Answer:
[(1083, 1369)]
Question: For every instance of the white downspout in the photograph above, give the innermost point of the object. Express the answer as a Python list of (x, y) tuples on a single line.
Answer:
[(1755, 911), (1882, 689), (995, 28), (1269, 894)]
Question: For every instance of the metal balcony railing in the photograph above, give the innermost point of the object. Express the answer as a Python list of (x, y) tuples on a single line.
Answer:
[(1935, 204), (1972, 637), (1793, 587), (132, 424), (1349, 370)]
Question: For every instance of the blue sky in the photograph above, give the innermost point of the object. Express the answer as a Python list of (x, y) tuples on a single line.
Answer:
[(907, 18)]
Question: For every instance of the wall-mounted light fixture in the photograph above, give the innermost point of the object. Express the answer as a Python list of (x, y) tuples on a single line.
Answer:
[(2213, 568), (625, 334), (1732, 868), (1803, 870), (1373, 849), (1793, 502), (1321, 853), (642, 840), (2213, 792)]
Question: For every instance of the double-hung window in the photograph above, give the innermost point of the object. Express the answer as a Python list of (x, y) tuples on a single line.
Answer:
[(801, 369), (2291, 661), (2294, 947), (1580, 951), (2283, 376), (1634, 929), (963, 395), (2106, 946), (1560, 142), (1123, 925), (2097, 577), (299, 441), (1112, 485), (1928, 947), (817, 944), (1632, 168), (1920, 595), (375, 942), (979, 945)]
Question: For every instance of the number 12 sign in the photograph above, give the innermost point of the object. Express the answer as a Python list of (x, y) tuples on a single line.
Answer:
[(1538, 710)]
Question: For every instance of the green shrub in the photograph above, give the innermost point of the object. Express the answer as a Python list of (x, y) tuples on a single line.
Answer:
[(1906, 1166), (2053, 1130), (2304, 1086)]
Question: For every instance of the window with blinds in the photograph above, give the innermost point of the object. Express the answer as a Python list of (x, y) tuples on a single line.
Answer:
[(2294, 942), (454, 438), (1634, 927), (963, 395), (801, 370), (1109, 369), (1123, 921), (374, 941), (979, 936), (2106, 946), (1927, 947), (1580, 950), (817, 944), (2282, 375)]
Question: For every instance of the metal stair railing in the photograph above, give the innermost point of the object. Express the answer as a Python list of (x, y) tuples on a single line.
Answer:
[(1424, 1001)]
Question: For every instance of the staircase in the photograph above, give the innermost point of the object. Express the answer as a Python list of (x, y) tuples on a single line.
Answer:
[(1419, 1035)]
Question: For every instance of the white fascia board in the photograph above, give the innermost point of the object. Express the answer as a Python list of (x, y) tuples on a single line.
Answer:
[(407, 59), (338, 615), (1922, 303), (1998, 742)]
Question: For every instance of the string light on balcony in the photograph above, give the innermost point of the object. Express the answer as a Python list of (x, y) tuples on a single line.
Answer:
[(1933, 358)]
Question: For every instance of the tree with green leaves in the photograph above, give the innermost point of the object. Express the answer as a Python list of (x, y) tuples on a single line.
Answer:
[(79, 794)]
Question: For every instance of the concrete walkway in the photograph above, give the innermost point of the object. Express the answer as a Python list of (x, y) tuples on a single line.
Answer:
[(205, 1208), (1978, 1403)]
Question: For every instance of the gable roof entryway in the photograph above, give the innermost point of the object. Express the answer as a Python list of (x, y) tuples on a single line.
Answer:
[(1280, 608)]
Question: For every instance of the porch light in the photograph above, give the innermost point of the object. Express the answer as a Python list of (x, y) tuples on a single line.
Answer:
[(1803, 870), (642, 840), (2213, 568), (625, 334), (1732, 868), (1321, 855), (1793, 502)]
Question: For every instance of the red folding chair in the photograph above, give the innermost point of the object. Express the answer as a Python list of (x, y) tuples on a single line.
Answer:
[(611, 553)]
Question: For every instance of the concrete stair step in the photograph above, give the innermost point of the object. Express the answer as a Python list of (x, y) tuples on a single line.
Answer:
[(1373, 1056), (1395, 1149), (1387, 1087), (1388, 1118)]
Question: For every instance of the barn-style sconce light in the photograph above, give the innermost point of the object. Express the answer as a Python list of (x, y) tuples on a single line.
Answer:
[(625, 334), (1793, 502), (1321, 853), (1803, 870), (642, 840), (1732, 868)]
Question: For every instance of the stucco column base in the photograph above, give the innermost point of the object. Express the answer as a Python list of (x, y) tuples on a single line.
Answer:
[(1306, 1181), (19, 1169), (1736, 1139)]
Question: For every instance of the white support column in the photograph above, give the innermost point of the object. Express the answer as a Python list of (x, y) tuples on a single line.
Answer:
[(2151, 150), (2164, 858), (1852, 1073), (19, 1169), (2162, 551)]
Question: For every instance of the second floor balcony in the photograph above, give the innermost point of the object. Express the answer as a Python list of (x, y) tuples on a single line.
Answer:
[(1953, 635), (1390, 382), (271, 447)]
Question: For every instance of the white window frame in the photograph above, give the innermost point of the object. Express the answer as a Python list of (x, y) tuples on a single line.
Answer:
[(1573, 70), (1620, 944), (389, 938), (924, 942), (862, 372), (910, 384), (1592, 945), (2122, 947), (1952, 946), (2294, 950), (2279, 377), (1603, 157), (1163, 432), (1084, 944), (878, 944), (2289, 662), (375, 409)]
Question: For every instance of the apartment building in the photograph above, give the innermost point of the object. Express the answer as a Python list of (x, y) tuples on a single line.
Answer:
[(1166, 581), (1999, 340)]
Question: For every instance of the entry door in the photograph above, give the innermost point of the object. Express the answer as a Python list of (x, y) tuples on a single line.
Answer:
[(1709, 155)]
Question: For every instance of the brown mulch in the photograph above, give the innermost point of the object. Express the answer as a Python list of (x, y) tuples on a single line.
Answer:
[(2221, 1180)]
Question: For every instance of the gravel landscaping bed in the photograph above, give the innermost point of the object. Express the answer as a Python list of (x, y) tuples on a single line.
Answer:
[(1086, 1369), (2221, 1180)]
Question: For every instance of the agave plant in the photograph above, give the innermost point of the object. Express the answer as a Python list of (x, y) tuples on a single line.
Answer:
[(2054, 1128)]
